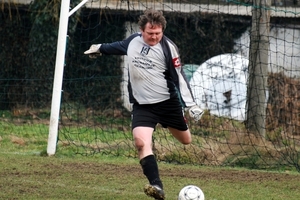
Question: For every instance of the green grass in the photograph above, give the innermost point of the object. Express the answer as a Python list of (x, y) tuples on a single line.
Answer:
[(26, 173), (30, 176)]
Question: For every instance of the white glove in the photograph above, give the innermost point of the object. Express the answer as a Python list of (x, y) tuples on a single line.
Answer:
[(94, 51), (195, 112)]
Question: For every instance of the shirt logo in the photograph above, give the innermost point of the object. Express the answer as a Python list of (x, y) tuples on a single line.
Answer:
[(145, 50), (176, 62)]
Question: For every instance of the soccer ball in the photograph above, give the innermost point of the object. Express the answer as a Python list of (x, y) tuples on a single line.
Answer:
[(191, 192)]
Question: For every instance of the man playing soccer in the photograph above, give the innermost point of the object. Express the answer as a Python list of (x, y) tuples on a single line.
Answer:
[(158, 90)]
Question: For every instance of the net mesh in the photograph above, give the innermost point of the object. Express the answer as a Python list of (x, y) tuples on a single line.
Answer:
[(214, 39)]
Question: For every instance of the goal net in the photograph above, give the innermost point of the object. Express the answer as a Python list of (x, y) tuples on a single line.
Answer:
[(215, 43)]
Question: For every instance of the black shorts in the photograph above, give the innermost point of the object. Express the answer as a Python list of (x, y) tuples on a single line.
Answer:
[(168, 113)]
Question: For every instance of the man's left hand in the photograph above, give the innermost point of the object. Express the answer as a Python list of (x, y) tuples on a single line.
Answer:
[(196, 112)]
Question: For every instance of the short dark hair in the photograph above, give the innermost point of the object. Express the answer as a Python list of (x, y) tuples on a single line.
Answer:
[(154, 17)]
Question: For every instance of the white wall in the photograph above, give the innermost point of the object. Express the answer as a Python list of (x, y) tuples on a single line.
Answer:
[(284, 53), (131, 28)]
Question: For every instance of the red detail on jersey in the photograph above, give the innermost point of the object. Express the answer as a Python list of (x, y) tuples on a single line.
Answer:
[(176, 62)]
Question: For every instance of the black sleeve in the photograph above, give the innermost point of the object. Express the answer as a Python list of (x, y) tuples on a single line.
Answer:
[(117, 48)]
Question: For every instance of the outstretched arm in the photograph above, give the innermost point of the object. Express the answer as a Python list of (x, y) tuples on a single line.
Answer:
[(114, 48)]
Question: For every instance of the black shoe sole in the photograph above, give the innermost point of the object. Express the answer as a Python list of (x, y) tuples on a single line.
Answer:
[(154, 192)]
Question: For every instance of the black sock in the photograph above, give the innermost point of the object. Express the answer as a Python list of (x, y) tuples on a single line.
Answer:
[(150, 169)]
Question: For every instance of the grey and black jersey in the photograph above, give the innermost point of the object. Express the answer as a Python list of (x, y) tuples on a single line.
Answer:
[(155, 72)]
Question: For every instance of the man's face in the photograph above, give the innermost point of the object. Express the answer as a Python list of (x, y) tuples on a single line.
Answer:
[(152, 34)]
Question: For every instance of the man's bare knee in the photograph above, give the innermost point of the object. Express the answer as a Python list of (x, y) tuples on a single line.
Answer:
[(139, 144), (186, 141)]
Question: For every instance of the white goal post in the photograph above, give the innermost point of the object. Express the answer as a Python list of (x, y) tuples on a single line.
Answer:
[(59, 70)]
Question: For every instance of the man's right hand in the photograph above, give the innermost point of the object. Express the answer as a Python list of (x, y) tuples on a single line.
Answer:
[(94, 51)]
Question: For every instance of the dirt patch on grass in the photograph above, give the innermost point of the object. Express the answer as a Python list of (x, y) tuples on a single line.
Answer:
[(184, 171)]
